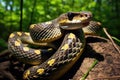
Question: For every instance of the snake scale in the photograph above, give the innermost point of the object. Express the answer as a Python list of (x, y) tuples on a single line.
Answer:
[(69, 27)]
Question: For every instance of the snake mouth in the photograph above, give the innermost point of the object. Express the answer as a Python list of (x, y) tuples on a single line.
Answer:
[(74, 25)]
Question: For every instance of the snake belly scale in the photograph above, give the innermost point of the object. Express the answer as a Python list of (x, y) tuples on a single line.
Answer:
[(68, 25)]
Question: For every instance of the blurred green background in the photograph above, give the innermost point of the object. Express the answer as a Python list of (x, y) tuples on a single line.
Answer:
[(17, 15)]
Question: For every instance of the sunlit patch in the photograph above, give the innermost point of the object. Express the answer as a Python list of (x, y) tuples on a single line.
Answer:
[(32, 26), (40, 71), (37, 51), (26, 74), (71, 35), (27, 34), (51, 62), (49, 22), (17, 43), (19, 33), (65, 47), (12, 35), (25, 48)]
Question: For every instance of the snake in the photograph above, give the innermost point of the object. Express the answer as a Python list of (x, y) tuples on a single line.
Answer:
[(68, 30)]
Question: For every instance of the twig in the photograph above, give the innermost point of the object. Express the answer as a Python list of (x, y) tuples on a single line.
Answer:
[(115, 46)]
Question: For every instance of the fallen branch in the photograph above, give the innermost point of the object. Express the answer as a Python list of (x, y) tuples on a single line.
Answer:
[(108, 35)]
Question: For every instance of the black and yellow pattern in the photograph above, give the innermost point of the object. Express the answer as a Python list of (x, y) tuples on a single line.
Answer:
[(67, 54), (69, 25), (23, 52), (43, 33)]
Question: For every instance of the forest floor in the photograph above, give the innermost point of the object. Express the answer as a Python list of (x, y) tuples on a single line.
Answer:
[(97, 48)]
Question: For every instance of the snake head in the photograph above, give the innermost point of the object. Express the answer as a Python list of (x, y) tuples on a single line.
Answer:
[(74, 20)]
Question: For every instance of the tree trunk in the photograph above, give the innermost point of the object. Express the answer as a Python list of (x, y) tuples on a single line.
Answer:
[(21, 7)]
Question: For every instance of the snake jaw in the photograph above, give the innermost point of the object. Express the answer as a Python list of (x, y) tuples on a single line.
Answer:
[(74, 26)]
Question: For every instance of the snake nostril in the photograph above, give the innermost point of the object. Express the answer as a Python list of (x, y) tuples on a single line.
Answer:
[(86, 15)]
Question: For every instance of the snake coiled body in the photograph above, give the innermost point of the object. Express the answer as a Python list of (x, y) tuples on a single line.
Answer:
[(69, 26), (66, 54)]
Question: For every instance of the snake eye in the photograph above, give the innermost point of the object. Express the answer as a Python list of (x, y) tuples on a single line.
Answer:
[(70, 15)]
